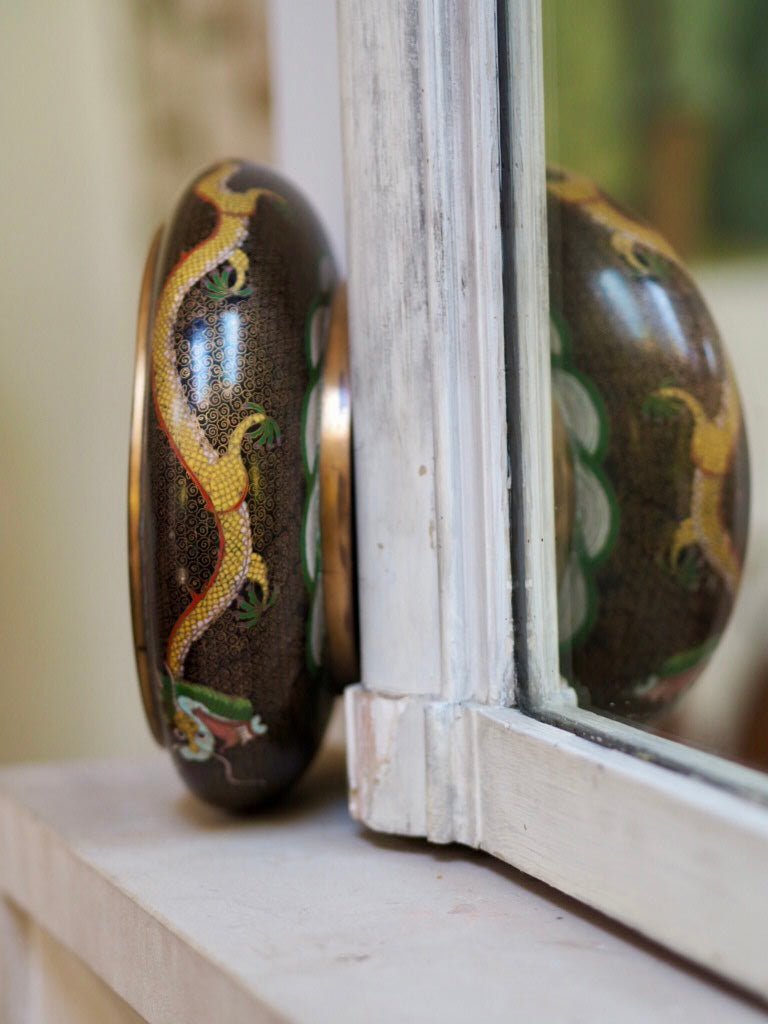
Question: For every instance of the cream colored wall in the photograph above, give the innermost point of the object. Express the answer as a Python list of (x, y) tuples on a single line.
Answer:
[(74, 226), (86, 165)]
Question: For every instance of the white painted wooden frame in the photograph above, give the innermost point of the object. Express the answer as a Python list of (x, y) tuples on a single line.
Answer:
[(443, 142)]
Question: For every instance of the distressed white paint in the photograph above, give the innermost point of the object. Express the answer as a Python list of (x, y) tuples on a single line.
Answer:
[(299, 915), (431, 752), (673, 857), (420, 124), (531, 304)]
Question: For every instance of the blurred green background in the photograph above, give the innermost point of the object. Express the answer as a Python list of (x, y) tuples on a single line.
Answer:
[(665, 104)]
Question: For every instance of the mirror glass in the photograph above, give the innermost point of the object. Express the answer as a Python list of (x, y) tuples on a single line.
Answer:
[(657, 157)]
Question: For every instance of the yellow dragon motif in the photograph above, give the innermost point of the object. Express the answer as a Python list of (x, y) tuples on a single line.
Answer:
[(714, 438), (222, 480), (713, 443), (625, 231)]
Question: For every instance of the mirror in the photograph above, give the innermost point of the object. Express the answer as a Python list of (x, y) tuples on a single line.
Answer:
[(658, 248)]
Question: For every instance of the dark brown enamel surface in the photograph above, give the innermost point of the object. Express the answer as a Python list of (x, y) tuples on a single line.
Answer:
[(636, 350), (244, 712)]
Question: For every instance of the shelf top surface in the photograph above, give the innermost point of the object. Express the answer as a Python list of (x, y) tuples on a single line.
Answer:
[(301, 915)]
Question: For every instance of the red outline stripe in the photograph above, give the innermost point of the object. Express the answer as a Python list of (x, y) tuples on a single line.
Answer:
[(174, 447)]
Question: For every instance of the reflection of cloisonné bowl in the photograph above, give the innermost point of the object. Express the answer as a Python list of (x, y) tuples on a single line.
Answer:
[(659, 455), (225, 505)]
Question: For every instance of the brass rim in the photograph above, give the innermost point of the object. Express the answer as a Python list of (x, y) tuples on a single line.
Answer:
[(135, 490), (336, 500)]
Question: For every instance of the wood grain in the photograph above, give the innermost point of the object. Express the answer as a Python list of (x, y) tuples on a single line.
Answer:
[(421, 145)]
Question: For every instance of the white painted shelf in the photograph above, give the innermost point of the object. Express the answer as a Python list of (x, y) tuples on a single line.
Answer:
[(299, 915)]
